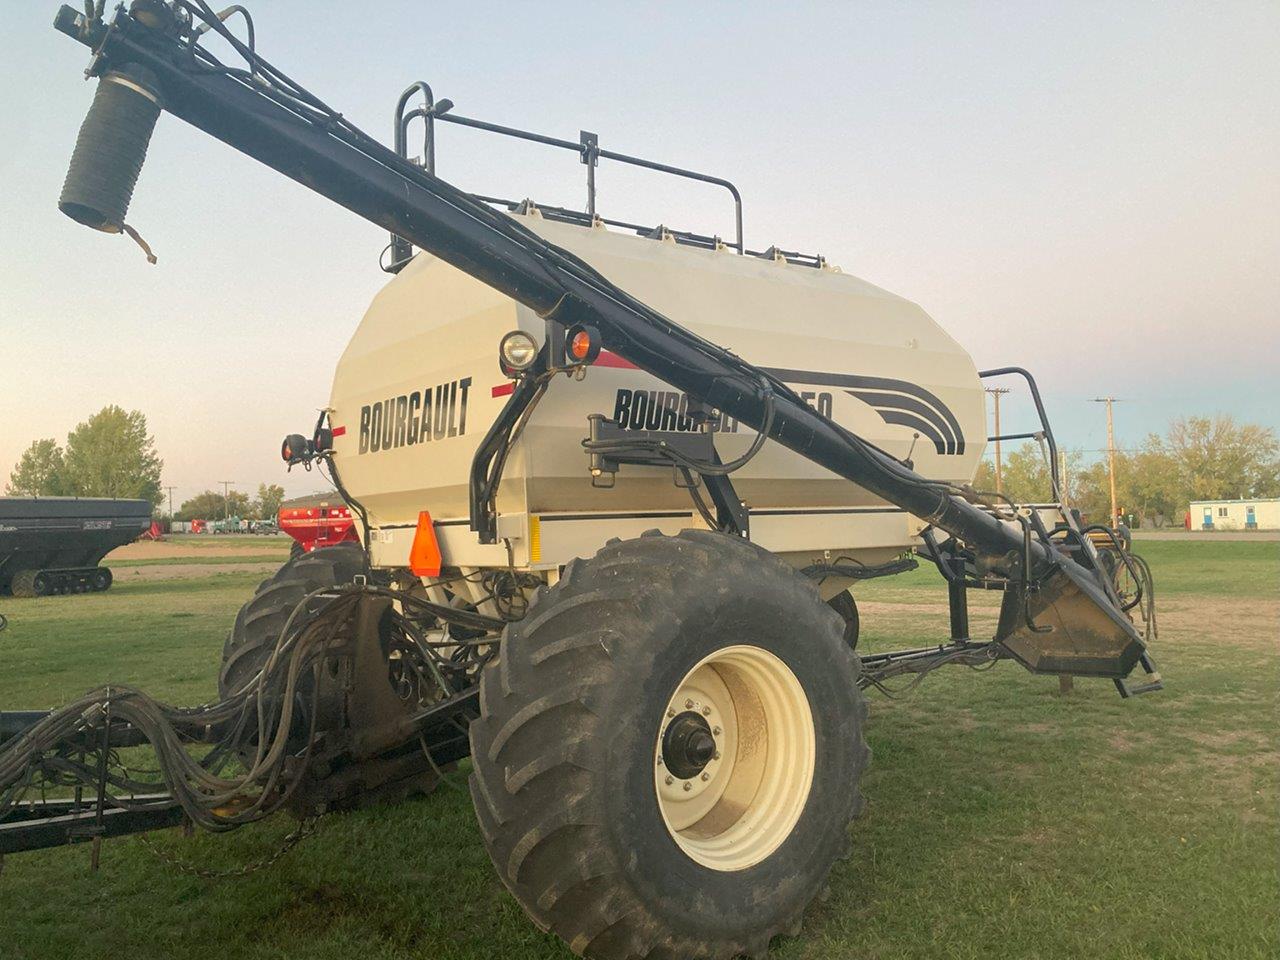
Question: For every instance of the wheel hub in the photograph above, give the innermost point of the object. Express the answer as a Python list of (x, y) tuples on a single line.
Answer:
[(734, 757), (688, 745)]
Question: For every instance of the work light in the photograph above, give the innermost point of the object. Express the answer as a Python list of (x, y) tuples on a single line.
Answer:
[(517, 352)]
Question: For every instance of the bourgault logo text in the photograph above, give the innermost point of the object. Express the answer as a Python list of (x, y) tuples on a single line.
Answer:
[(419, 417)]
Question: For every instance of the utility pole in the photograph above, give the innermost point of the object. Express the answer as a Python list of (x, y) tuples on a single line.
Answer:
[(226, 495), (997, 393), (1111, 455), (170, 489)]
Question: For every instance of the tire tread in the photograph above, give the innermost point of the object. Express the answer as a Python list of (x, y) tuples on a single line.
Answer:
[(530, 774)]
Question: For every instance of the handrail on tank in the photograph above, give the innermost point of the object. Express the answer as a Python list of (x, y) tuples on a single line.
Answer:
[(400, 248), (587, 147), (1046, 430)]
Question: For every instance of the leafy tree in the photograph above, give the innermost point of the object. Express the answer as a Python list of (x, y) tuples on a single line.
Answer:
[(1150, 486), (211, 505), (1220, 459), (270, 496), (112, 455), (41, 472), (1024, 474), (1093, 489)]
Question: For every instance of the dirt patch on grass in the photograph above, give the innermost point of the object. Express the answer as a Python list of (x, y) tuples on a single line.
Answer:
[(165, 550), (1244, 622), (1129, 741), (1227, 739), (189, 571), (1236, 772)]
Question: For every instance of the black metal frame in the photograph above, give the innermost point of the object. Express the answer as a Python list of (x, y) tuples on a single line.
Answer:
[(1045, 430), (37, 824), (731, 514)]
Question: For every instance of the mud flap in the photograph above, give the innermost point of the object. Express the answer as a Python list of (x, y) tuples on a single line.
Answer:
[(1075, 627)]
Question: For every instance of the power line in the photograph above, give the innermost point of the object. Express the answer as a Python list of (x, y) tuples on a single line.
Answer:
[(997, 393), (1111, 452), (226, 495)]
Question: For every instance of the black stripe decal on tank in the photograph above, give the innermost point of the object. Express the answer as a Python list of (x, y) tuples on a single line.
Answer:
[(894, 400)]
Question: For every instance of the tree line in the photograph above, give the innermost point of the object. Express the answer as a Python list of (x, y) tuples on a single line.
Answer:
[(213, 504), (112, 454), (1197, 458)]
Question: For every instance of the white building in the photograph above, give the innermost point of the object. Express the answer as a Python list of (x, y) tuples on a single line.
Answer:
[(1235, 514)]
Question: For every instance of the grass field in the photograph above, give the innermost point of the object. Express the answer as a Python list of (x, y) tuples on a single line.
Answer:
[(1004, 820)]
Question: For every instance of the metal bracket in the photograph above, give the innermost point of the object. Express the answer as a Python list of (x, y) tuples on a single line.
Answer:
[(731, 512), (732, 515)]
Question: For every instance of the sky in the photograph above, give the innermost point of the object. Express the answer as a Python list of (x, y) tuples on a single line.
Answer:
[(1088, 190)]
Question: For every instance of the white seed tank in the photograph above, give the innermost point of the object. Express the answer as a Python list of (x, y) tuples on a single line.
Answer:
[(419, 384)]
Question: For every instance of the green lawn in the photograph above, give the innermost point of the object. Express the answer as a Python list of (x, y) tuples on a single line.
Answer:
[(1004, 820)]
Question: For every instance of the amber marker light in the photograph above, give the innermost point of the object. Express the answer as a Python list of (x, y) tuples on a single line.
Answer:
[(583, 344)]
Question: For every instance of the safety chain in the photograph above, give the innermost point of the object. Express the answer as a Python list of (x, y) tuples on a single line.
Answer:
[(306, 828)]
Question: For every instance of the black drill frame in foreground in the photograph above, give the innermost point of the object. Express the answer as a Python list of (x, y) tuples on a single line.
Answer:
[(93, 814), (1060, 615)]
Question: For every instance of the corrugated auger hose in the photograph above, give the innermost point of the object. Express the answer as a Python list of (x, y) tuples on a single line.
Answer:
[(109, 152)]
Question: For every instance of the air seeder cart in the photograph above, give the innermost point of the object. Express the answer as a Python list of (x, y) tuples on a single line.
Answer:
[(613, 484)]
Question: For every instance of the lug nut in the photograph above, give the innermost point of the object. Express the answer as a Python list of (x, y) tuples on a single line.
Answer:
[(670, 714), (716, 731), (716, 755), (687, 786), (670, 780), (659, 761), (688, 704), (705, 776), (706, 711)]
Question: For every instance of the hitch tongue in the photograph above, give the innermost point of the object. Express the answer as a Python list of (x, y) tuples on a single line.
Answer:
[(1089, 635)]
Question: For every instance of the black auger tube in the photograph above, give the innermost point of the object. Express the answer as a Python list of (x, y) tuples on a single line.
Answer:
[(110, 149), (435, 216)]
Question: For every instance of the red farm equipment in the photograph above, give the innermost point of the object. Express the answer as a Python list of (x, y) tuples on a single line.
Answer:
[(316, 526)]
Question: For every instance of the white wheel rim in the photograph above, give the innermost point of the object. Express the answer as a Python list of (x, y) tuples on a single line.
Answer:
[(740, 807)]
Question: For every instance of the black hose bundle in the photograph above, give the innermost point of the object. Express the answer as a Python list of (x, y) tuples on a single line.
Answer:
[(851, 569), (260, 736), (254, 726)]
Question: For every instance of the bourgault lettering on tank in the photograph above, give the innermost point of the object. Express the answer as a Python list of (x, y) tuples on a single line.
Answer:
[(664, 411), (433, 413)]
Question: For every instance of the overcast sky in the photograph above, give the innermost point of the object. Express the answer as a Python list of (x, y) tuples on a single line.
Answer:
[(1091, 191)]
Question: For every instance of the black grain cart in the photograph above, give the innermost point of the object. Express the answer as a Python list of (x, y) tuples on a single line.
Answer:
[(54, 544)]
